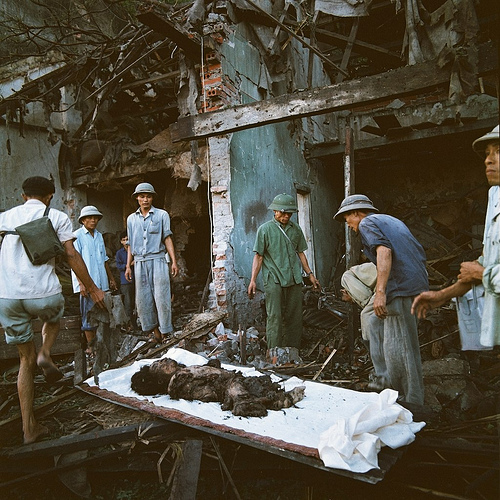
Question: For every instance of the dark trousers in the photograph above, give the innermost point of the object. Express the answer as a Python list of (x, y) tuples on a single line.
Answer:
[(128, 294), (284, 315)]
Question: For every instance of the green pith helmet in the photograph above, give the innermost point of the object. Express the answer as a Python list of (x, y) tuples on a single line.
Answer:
[(283, 203)]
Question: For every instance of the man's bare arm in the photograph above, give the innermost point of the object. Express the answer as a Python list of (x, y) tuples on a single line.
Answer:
[(307, 269), (384, 266), (471, 272), (256, 266), (427, 301), (169, 245)]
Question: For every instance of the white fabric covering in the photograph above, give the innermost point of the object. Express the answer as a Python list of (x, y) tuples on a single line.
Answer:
[(347, 427)]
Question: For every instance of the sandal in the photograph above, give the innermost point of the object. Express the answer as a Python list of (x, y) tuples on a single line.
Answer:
[(154, 339)]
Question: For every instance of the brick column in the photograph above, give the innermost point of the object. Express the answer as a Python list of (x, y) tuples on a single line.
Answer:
[(222, 219)]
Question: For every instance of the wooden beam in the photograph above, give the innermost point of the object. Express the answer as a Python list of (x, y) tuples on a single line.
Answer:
[(348, 49), (185, 481), (94, 439), (322, 150), (299, 38), (360, 47), (271, 44), (174, 32), (350, 253), (346, 95)]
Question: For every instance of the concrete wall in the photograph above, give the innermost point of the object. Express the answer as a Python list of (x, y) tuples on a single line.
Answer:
[(28, 151), (30, 155)]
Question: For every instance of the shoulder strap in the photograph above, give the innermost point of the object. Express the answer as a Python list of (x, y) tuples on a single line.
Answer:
[(45, 214), (286, 235)]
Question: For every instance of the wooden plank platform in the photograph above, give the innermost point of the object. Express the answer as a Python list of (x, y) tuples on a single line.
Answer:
[(387, 457)]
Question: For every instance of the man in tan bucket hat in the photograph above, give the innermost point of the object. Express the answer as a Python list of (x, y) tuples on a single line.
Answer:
[(486, 269)]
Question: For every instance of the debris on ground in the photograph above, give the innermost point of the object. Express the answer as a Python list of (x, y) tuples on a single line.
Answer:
[(91, 440)]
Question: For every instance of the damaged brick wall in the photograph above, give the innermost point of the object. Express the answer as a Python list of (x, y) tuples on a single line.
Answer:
[(228, 289)]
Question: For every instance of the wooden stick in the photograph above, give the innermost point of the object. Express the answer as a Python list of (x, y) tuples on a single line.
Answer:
[(325, 363), (243, 345), (224, 467), (440, 338)]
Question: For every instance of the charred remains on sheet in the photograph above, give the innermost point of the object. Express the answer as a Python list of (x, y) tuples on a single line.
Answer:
[(243, 396)]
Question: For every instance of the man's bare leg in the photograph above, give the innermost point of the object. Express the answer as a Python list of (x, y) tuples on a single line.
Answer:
[(32, 430), (50, 331), (90, 338), (157, 335)]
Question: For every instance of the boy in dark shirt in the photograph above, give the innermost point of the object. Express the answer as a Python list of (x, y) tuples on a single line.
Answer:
[(127, 288)]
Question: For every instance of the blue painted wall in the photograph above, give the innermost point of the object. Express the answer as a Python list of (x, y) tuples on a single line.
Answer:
[(268, 160)]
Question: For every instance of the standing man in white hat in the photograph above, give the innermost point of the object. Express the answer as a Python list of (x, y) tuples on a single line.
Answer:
[(150, 238), (401, 275), (487, 268), (89, 244)]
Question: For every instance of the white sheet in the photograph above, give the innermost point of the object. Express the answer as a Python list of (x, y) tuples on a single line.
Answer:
[(347, 427)]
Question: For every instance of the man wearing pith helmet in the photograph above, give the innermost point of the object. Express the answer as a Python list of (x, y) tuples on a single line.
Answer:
[(90, 245), (151, 248), (401, 275), (487, 268), (279, 251)]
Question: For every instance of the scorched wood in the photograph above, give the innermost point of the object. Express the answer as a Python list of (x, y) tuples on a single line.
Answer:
[(345, 95)]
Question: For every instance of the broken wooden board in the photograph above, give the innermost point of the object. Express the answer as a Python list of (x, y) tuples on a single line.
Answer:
[(89, 440), (418, 133), (185, 481), (345, 95), (187, 41), (203, 321)]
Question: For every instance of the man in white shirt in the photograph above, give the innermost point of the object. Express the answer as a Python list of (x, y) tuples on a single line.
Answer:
[(29, 291), (486, 269), (90, 245)]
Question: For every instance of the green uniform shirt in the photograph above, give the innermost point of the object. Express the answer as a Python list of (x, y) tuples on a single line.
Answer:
[(280, 262)]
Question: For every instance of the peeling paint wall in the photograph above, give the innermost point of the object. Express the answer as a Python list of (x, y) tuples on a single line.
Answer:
[(32, 155), (27, 151)]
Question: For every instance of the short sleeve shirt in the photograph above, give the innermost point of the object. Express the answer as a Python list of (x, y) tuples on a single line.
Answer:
[(146, 235), (408, 275), (93, 252), (19, 278), (280, 262), (491, 243)]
